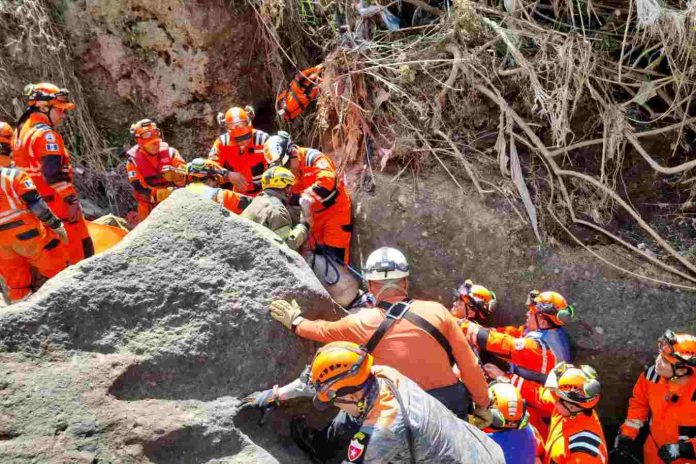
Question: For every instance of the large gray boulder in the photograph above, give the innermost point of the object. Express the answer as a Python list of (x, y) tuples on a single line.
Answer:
[(177, 311)]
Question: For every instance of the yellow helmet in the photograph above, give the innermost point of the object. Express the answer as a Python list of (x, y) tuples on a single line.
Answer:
[(202, 168), (277, 177)]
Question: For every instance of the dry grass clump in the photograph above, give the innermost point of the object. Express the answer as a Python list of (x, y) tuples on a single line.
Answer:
[(35, 51), (550, 100)]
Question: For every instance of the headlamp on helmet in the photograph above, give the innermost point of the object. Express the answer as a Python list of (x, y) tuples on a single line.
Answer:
[(477, 297), (386, 264), (679, 349)]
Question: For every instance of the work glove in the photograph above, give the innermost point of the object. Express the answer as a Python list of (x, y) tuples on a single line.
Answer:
[(174, 175), (61, 233), (481, 418), (265, 401), (74, 208), (306, 202), (238, 180), (162, 194), (285, 312), (669, 453), (623, 443)]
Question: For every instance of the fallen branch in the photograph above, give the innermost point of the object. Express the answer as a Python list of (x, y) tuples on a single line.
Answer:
[(467, 166)]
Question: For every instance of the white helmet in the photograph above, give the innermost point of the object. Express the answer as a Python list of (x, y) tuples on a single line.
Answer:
[(278, 149), (386, 264)]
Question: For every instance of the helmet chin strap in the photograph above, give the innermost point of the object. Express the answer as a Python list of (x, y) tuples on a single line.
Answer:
[(390, 286), (676, 376)]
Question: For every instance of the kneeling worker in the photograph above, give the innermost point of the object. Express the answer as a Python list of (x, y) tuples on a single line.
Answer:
[(205, 177), (270, 208)]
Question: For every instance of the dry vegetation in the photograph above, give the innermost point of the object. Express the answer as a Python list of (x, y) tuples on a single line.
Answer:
[(579, 110)]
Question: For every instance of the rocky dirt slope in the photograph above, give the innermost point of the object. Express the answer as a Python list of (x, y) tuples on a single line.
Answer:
[(141, 354)]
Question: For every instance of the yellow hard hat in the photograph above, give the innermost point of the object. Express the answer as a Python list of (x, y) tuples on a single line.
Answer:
[(277, 177)]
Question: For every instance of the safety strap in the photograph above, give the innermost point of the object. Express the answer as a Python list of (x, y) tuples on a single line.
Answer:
[(407, 420), (394, 312), (419, 322)]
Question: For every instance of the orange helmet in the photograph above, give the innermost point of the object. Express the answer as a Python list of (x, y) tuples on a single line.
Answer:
[(679, 349), (146, 132), (45, 94), (507, 406), (477, 298), (238, 122), (5, 142), (577, 385), (338, 369), (552, 305)]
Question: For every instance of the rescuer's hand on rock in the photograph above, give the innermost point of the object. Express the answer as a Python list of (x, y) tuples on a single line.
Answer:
[(285, 312)]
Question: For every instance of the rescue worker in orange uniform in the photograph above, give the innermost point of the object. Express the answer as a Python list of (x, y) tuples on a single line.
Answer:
[(321, 191), (154, 168), (240, 150), (665, 397), (394, 419), (6, 133), (303, 89), (30, 234), (39, 150), (520, 441), (474, 302), (205, 177), (419, 338), (531, 350), (570, 396)]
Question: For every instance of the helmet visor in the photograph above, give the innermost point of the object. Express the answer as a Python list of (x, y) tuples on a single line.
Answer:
[(388, 266), (62, 100)]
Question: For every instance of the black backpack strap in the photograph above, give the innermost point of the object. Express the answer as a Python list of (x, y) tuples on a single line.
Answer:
[(418, 321), (407, 420), (394, 312)]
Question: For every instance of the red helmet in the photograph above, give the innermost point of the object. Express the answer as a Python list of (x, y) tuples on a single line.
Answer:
[(46, 94)]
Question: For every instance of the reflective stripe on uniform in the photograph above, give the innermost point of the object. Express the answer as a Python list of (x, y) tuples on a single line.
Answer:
[(17, 208), (585, 442)]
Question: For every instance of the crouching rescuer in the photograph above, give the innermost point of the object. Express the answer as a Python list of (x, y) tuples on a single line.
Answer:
[(394, 419), (270, 209), (30, 235)]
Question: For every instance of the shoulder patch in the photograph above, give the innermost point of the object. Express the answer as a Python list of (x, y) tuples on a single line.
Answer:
[(52, 147), (519, 344), (131, 174), (323, 163), (28, 183), (356, 450), (585, 442), (50, 137)]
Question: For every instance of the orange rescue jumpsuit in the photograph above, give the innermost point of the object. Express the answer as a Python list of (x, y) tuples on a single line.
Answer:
[(24, 240), (230, 200), (332, 209), (671, 409), (146, 174), (510, 344), (251, 163), (39, 150), (408, 348), (577, 439)]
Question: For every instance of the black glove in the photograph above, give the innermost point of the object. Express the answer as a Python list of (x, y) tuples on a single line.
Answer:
[(669, 453), (623, 443), (264, 401)]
